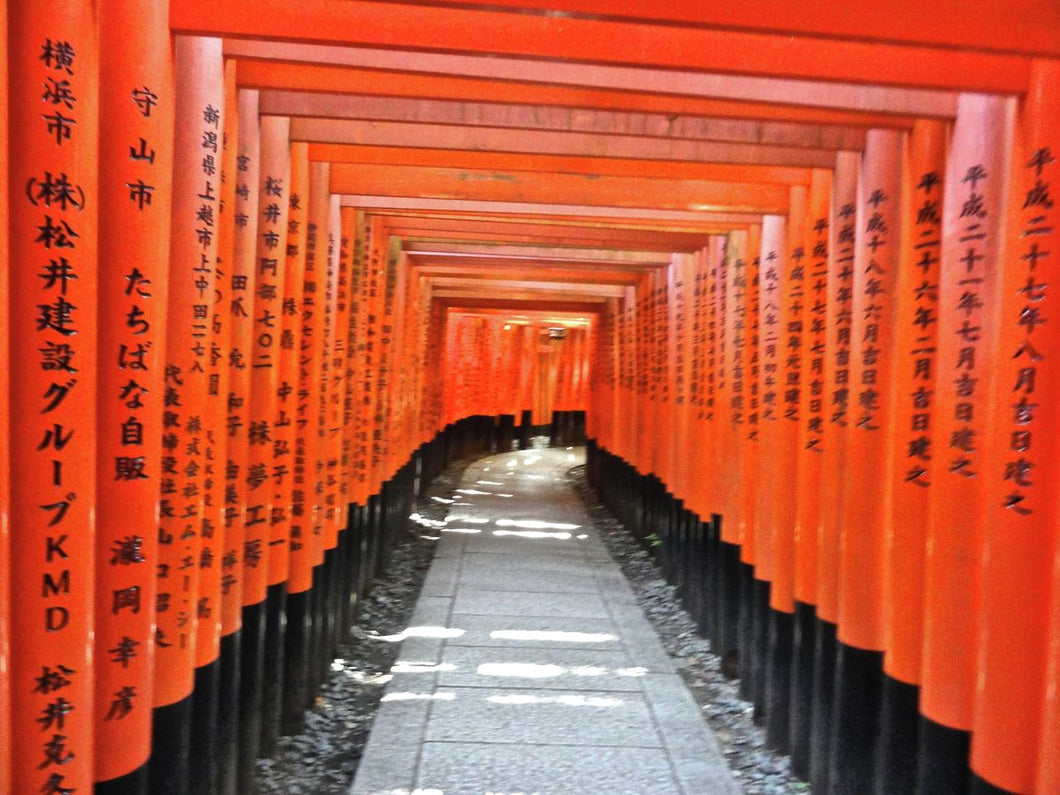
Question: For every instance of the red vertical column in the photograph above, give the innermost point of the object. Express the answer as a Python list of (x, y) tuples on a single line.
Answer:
[(136, 168), (214, 696), (5, 440), (271, 324), (227, 504), (969, 297), (808, 463), (784, 469), (300, 577), (861, 553), (263, 605), (910, 450), (1021, 539), (193, 254), (53, 104), (772, 258), (838, 317)]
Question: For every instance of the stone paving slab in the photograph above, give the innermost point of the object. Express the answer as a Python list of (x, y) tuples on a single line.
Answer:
[(528, 666)]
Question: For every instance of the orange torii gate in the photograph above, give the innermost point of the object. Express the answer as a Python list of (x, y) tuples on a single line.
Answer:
[(497, 162)]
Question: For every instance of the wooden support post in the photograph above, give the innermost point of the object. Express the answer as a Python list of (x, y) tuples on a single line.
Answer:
[(1020, 547), (274, 362), (809, 458), (911, 450), (53, 105), (5, 438), (232, 387), (859, 657), (136, 172), (834, 443), (969, 304), (300, 570), (193, 247)]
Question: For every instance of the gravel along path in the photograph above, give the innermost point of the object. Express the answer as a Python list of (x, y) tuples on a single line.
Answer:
[(323, 759)]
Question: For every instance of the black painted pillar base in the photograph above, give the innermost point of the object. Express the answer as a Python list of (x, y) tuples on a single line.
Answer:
[(316, 632), (980, 786), (760, 647), (942, 759), (296, 677), (250, 693), (205, 705), (746, 631), (801, 716), (778, 680), (135, 782), (855, 718), (896, 751), (272, 677), (824, 653), (729, 650), (171, 748), (228, 714)]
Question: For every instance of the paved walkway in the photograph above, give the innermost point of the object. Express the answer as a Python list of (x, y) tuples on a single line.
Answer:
[(528, 667)]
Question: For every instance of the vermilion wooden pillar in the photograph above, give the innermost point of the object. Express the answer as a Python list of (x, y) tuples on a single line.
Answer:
[(5, 439), (773, 259), (859, 655), (136, 173), (232, 385), (213, 694), (833, 456), (911, 450), (1020, 546), (273, 361), (262, 604), (812, 403), (242, 282), (193, 253), (313, 307), (53, 104), (783, 466), (300, 577), (969, 303)]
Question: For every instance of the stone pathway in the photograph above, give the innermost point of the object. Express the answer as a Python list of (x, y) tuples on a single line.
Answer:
[(528, 667)]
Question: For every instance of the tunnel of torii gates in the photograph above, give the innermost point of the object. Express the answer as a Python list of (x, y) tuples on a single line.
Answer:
[(270, 265)]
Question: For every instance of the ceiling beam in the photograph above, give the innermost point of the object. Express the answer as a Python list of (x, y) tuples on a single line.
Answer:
[(559, 119), (628, 43), (508, 186)]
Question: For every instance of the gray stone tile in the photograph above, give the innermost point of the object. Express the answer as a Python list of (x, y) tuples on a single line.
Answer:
[(521, 579), (482, 715), (392, 753), (431, 611), (499, 603), (463, 769), (519, 545), (536, 632), (442, 577), (552, 669)]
